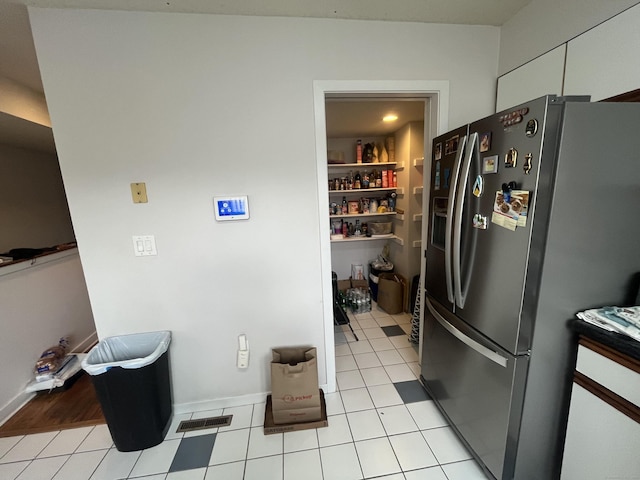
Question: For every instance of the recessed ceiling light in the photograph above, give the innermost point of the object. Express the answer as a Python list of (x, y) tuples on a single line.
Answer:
[(390, 118)]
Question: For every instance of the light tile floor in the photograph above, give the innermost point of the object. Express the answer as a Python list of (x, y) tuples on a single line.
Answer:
[(381, 425)]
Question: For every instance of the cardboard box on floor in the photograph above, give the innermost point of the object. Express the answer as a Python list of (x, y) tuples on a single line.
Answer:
[(392, 292), (344, 285), (270, 427), (295, 393)]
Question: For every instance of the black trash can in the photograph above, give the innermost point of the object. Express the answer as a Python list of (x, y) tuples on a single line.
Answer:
[(131, 376), (373, 278)]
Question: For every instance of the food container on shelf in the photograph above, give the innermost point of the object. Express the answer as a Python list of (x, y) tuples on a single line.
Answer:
[(380, 228)]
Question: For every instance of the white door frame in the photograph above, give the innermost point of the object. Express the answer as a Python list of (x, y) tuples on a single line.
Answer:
[(437, 121)]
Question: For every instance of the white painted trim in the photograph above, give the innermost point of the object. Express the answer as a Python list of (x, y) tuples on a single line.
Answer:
[(438, 93), (15, 404), (219, 403), (87, 343), (20, 400)]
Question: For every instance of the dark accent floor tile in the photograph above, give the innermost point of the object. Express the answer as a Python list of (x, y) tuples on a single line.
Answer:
[(411, 391), (193, 452), (393, 331)]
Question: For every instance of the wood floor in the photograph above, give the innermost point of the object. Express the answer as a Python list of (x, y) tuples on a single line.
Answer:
[(75, 407)]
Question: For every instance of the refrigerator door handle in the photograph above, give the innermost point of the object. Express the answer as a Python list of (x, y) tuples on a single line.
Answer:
[(481, 349), (457, 227), (449, 224)]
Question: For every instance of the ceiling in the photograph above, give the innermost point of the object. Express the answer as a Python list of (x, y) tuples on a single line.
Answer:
[(18, 58), (356, 117)]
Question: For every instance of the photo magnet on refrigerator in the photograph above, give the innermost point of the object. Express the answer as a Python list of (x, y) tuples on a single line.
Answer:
[(490, 164), (478, 186), (480, 222), (511, 158), (485, 142), (527, 163)]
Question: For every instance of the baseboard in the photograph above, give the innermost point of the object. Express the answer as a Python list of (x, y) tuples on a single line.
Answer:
[(85, 345), (15, 404), (223, 402), (19, 401)]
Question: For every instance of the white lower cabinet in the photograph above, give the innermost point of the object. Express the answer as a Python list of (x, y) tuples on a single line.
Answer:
[(603, 431)]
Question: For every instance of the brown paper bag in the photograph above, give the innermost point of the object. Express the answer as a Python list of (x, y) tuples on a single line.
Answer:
[(391, 292), (295, 393)]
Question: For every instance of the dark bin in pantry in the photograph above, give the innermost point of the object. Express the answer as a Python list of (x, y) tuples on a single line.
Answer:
[(373, 278), (131, 376)]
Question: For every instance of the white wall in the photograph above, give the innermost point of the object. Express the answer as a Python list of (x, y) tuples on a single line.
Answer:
[(33, 206), (409, 146), (39, 303), (199, 105), (542, 25)]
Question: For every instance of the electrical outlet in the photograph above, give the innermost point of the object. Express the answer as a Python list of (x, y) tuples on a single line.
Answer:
[(243, 358), (243, 352), (139, 192)]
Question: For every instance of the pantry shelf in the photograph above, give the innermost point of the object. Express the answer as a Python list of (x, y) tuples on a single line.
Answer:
[(361, 190), (354, 215), (360, 165), (363, 239)]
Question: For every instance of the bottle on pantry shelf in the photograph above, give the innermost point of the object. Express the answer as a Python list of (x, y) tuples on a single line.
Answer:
[(357, 182), (345, 229), (379, 180), (357, 231), (350, 180), (395, 179), (392, 201), (367, 153), (359, 151), (365, 180), (373, 205), (344, 205)]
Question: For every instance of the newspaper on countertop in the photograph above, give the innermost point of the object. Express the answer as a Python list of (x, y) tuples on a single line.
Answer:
[(625, 320)]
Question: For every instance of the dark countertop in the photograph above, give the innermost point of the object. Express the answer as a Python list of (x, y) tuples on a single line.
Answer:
[(617, 341), (26, 254)]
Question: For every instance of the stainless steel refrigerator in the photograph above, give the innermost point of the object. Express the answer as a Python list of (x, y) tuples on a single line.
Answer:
[(533, 216)]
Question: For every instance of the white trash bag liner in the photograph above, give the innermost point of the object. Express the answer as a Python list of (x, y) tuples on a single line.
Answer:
[(127, 351)]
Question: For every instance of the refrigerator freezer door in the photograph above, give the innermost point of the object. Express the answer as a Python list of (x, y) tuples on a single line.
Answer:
[(476, 385)]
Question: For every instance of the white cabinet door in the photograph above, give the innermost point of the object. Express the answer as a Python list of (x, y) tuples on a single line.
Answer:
[(601, 442), (539, 77), (603, 62)]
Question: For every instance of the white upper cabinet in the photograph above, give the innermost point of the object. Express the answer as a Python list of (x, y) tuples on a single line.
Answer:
[(603, 62), (534, 79)]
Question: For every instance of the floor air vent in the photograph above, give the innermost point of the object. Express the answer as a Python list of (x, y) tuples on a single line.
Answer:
[(202, 423)]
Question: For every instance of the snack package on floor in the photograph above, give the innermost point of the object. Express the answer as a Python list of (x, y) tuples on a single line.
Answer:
[(52, 357)]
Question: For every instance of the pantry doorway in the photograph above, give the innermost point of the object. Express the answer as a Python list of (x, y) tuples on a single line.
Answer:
[(436, 96)]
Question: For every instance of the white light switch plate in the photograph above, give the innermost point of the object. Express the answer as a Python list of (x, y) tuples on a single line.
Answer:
[(144, 245)]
